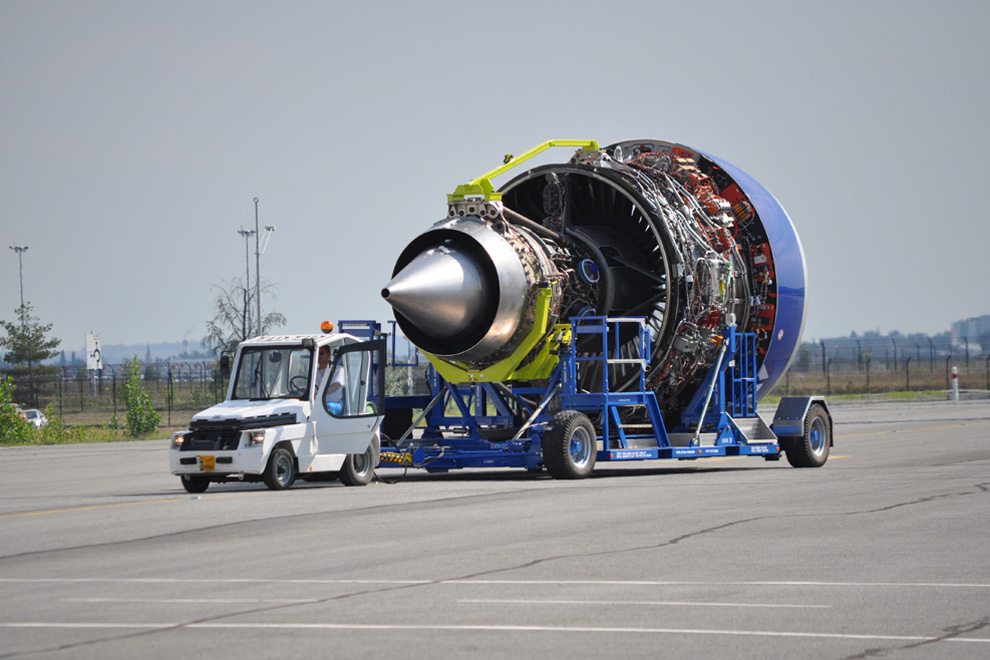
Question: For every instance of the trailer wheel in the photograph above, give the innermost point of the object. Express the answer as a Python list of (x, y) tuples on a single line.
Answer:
[(280, 473), (811, 449), (570, 446), (194, 484), (358, 469)]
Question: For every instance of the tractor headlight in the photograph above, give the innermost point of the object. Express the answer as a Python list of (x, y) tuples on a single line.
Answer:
[(178, 438)]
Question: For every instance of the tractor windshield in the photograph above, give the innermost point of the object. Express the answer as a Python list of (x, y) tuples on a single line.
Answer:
[(273, 372)]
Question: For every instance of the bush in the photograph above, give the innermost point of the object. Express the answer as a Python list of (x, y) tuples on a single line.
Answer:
[(141, 417), (14, 429)]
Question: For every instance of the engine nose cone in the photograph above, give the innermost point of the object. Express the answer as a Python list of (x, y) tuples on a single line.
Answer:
[(441, 292)]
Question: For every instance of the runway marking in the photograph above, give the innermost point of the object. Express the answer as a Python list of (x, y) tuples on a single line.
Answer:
[(637, 602), (92, 507), (469, 581), (212, 601), (740, 583), (492, 628), (110, 505)]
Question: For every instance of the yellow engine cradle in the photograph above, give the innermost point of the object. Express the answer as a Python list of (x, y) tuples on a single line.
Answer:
[(541, 366)]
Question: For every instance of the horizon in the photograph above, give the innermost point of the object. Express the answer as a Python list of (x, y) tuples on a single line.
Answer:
[(118, 348)]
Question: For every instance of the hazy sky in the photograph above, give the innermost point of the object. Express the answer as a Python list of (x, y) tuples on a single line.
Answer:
[(135, 135)]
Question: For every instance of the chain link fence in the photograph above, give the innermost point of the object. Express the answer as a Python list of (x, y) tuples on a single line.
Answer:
[(177, 390), (846, 367), (852, 366)]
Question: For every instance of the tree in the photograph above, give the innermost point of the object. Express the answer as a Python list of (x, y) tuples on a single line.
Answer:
[(28, 346), (232, 322)]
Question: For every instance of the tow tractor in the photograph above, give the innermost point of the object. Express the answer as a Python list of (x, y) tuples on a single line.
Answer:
[(272, 428)]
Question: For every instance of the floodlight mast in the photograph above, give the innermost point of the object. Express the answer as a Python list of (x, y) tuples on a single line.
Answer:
[(20, 250), (260, 243), (257, 264), (246, 323)]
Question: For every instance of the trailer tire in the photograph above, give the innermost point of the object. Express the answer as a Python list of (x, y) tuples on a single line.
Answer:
[(570, 446), (280, 473), (359, 469), (194, 484), (811, 449)]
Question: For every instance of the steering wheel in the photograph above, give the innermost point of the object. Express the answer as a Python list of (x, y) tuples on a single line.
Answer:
[(298, 388)]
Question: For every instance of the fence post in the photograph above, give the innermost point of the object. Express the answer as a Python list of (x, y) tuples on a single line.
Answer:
[(907, 371), (869, 359), (828, 377), (947, 386)]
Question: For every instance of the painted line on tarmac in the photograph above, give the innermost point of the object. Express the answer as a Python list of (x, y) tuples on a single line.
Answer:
[(470, 581), (110, 505), (301, 601), (211, 601), (492, 628), (739, 583), (91, 507), (673, 603)]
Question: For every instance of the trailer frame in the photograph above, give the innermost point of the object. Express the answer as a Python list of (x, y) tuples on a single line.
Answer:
[(507, 424)]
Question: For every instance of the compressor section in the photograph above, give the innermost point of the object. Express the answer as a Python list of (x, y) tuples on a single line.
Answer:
[(641, 228)]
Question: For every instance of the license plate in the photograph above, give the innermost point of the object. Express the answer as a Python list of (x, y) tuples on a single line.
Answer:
[(207, 463)]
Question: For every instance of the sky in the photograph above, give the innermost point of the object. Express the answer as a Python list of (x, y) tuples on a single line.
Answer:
[(134, 138)]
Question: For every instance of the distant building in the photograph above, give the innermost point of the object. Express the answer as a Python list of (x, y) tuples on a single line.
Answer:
[(975, 331)]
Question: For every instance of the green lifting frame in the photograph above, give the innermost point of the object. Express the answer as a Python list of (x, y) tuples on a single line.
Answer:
[(482, 186)]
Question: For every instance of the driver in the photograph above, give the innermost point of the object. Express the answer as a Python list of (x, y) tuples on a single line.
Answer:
[(333, 396), (322, 360)]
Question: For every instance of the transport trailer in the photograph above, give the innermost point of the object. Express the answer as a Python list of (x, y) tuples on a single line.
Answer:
[(574, 419)]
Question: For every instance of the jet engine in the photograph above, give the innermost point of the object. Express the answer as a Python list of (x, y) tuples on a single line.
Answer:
[(642, 228)]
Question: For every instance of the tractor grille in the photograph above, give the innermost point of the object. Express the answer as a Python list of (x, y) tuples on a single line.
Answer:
[(212, 440)]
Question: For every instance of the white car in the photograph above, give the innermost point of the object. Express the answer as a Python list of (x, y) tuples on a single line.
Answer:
[(36, 418)]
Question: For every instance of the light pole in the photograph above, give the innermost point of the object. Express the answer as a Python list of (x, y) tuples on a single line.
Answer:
[(246, 321), (259, 249), (20, 250)]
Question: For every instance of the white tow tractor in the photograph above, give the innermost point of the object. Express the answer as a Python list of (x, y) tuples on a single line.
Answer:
[(285, 418)]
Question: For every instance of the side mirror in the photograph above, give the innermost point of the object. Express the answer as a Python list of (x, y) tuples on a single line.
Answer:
[(225, 365)]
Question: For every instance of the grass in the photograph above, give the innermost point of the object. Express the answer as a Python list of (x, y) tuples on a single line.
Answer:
[(88, 426)]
